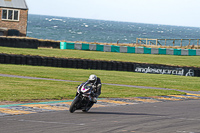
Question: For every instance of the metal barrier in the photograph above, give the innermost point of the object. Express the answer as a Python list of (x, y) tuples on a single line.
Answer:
[(168, 42), (126, 49)]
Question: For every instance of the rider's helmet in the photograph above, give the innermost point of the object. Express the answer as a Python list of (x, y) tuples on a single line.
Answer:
[(92, 79)]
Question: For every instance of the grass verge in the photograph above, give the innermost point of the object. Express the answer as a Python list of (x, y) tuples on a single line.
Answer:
[(27, 90), (115, 77)]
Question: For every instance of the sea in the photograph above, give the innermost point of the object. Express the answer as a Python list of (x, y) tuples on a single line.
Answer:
[(102, 31)]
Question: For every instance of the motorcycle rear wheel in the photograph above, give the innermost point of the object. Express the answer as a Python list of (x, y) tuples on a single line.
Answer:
[(73, 106)]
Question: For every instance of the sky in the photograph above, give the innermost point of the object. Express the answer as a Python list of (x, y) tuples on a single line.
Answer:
[(167, 12)]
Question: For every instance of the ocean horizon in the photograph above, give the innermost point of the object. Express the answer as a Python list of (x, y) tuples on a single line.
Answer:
[(104, 31)]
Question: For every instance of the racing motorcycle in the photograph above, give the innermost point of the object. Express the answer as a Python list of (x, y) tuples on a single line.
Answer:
[(82, 101)]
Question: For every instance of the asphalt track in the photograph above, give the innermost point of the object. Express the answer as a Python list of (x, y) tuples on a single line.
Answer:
[(160, 117)]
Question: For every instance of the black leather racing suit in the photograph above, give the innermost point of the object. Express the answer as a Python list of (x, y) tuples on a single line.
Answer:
[(97, 88)]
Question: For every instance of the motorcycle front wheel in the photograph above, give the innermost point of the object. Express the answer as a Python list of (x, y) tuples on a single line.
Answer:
[(73, 106)]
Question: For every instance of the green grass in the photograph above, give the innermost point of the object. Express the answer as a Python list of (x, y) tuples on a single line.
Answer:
[(126, 92), (140, 58), (16, 89), (115, 77)]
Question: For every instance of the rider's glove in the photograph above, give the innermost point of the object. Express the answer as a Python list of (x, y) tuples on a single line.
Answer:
[(93, 86), (99, 85)]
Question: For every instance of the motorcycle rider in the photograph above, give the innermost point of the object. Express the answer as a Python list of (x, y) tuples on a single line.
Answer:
[(87, 94), (96, 85)]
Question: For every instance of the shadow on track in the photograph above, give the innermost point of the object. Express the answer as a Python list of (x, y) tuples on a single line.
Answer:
[(115, 113)]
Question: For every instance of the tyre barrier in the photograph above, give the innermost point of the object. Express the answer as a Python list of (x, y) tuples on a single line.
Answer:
[(19, 43), (49, 44), (27, 43), (97, 65)]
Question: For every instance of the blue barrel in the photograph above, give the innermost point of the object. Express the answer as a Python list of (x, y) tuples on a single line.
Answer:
[(63, 45)]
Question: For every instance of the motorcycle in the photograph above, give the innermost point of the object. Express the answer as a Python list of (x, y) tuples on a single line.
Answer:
[(82, 101)]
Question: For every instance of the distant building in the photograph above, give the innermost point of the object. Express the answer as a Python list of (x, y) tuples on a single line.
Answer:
[(13, 17)]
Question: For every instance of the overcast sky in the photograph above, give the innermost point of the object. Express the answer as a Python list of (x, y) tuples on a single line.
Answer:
[(168, 12)]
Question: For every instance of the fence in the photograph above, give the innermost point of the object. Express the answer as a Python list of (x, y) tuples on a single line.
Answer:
[(168, 42), (98, 65)]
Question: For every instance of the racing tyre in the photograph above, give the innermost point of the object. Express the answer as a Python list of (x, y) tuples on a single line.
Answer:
[(73, 106)]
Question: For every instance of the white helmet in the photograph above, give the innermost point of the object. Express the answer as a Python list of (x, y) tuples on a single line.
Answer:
[(92, 78)]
